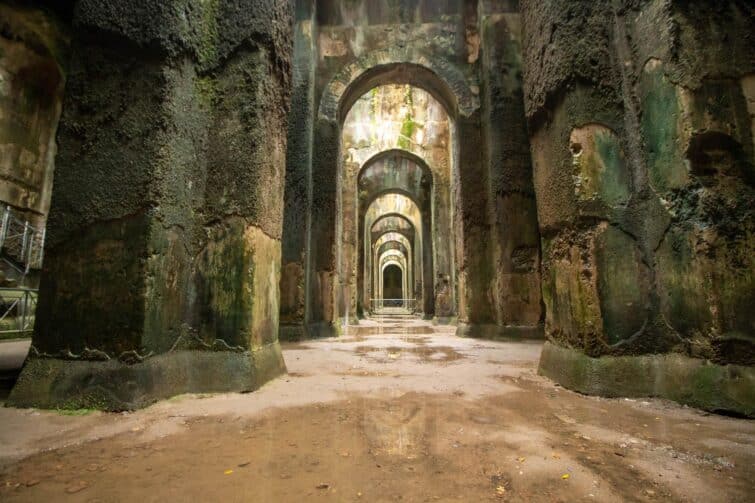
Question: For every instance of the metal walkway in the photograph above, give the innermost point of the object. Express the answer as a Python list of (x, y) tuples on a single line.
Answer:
[(21, 252)]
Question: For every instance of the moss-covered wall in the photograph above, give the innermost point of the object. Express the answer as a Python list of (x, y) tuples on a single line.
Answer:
[(164, 244)]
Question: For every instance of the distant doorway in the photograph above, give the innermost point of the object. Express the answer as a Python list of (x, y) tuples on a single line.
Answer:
[(393, 286)]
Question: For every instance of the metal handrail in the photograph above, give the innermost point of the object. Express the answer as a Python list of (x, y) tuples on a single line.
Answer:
[(21, 240), (19, 304), (378, 304)]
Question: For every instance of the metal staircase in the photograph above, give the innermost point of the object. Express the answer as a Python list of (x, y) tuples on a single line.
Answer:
[(21, 253)]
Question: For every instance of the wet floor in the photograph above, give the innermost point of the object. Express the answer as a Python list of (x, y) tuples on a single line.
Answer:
[(397, 411)]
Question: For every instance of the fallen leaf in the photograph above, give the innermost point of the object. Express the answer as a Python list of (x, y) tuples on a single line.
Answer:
[(227, 472), (500, 490), (565, 476), (521, 460), (245, 463), (322, 486)]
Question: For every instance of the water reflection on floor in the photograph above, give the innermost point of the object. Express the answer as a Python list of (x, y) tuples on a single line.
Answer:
[(394, 410)]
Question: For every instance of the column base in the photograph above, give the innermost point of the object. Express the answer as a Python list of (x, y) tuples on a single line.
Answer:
[(292, 333), (321, 330), (690, 381), (52, 383), (444, 320)]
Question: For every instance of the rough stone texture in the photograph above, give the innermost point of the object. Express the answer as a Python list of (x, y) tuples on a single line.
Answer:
[(298, 191), (515, 246), (64, 384), (643, 170), (167, 209)]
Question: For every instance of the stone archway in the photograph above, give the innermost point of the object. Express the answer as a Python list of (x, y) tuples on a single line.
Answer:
[(327, 299)]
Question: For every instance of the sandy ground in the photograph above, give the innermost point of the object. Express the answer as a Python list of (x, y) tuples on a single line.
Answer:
[(400, 411)]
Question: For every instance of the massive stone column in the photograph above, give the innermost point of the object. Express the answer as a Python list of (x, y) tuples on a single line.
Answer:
[(643, 165), (514, 236), (162, 265), (298, 193), (476, 312), (322, 276)]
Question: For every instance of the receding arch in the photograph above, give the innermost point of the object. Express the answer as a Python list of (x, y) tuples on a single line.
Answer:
[(392, 236), (330, 267), (389, 191), (392, 245), (405, 210), (397, 153), (437, 76), (393, 216)]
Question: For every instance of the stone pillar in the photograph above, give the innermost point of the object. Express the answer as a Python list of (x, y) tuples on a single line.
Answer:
[(514, 235), (322, 276), (298, 194), (644, 198), (473, 240), (162, 263)]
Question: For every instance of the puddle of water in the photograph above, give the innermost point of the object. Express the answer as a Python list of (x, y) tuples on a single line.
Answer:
[(426, 354), (386, 329)]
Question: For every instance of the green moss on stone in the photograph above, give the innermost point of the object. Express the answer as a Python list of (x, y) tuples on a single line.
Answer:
[(75, 412), (408, 126), (206, 90), (207, 51), (407, 130), (614, 187), (660, 113), (676, 377)]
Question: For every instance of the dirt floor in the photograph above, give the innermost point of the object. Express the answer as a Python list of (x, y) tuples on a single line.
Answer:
[(398, 412)]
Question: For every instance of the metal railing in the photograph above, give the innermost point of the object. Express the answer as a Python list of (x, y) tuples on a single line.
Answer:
[(21, 240), (17, 306), (381, 304)]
